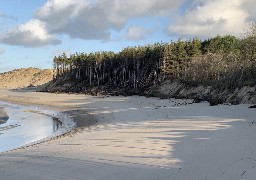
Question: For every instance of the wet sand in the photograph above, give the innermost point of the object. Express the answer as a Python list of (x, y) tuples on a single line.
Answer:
[(137, 138), (26, 125), (3, 116)]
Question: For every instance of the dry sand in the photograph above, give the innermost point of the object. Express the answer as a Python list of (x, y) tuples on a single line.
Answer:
[(25, 77), (138, 138)]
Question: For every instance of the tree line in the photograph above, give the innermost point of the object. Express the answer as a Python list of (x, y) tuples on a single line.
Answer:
[(225, 61)]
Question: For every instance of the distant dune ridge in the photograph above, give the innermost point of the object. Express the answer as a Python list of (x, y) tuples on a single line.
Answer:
[(25, 77)]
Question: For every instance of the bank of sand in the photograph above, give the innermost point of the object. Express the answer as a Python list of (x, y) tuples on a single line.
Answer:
[(138, 138)]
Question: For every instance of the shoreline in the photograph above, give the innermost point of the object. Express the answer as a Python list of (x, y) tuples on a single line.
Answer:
[(22, 118), (69, 117), (3, 116), (137, 138)]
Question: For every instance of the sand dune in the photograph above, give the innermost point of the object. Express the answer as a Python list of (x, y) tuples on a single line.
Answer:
[(137, 138), (25, 77)]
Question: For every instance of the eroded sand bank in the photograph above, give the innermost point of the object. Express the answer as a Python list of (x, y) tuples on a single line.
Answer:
[(138, 138)]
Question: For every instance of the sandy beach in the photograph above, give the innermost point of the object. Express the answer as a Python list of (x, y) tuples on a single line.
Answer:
[(137, 138)]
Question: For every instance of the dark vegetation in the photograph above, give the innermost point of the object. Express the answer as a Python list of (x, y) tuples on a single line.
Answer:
[(223, 62)]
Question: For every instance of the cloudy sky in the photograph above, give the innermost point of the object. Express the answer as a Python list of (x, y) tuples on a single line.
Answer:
[(32, 32)]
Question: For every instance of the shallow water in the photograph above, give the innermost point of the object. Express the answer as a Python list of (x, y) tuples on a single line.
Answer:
[(24, 126)]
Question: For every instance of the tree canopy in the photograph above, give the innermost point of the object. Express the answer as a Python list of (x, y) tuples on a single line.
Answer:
[(225, 61)]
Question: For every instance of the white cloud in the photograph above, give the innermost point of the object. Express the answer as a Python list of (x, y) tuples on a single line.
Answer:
[(121, 10), (137, 33), (57, 13), (84, 19), (31, 34), (88, 19), (96, 19), (208, 18), (249, 7)]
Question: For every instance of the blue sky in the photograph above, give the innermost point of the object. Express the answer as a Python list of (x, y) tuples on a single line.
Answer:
[(32, 32)]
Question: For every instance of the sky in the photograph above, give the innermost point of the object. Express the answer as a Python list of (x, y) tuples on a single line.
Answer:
[(32, 32)]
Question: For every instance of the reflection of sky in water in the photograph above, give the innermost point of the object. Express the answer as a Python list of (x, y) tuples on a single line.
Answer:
[(24, 127)]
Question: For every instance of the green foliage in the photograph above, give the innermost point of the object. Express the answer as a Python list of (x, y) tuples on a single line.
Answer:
[(223, 61), (221, 44)]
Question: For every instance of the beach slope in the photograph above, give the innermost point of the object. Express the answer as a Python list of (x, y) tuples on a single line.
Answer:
[(137, 138)]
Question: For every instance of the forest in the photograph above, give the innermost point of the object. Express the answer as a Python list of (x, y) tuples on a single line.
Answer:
[(225, 62)]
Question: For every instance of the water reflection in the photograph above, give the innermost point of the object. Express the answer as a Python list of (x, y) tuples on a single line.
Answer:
[(25, 126), (56, 124)]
